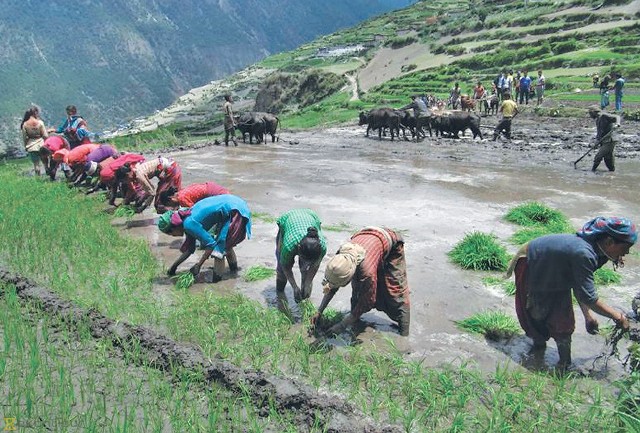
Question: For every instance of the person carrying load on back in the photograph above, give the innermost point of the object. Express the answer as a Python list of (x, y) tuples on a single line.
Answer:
[(232, 216), (549, 268), (172, 199), (374, 262), (74, 128), (299, 234)]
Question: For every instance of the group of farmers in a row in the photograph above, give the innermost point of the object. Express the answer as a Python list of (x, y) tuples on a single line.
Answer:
[(546, 269)]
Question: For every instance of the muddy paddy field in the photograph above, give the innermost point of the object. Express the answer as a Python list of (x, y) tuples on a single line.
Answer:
[(433, 192)]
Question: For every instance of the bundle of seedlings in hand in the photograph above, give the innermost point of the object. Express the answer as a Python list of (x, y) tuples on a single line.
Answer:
[(125, 211), (481, 252), (258, 272), (495, 325), (185, 280), (329, 316)]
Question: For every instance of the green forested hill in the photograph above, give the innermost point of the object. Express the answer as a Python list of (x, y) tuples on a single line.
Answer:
[(119, 59), (425, 48)]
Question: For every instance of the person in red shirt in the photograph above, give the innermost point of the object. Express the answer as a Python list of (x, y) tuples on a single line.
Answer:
[(373, 261), (51, 145), (172, 198)]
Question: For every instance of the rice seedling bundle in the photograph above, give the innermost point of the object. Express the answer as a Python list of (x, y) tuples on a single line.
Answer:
[(533, 214), (480, 251), (124, 211), (606, 277), (185, 280), (258, 272), (494, 325)]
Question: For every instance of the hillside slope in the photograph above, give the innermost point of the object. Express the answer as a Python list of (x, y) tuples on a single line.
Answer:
[(426, 47), (119, 59)]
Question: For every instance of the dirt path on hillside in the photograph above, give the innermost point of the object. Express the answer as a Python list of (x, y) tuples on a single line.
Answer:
[(433, 192)]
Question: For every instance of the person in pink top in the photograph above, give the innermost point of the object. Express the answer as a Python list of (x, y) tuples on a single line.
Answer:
[(51, 145), (172, 199)]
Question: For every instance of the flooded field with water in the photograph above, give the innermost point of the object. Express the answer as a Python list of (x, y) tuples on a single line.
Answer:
[(433, 192)]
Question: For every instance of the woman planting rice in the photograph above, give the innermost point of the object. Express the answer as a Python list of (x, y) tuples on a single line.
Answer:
[(549, 267), (229, 212), (373, 261)]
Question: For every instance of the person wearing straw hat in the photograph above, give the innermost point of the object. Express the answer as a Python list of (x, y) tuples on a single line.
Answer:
[(373, 262), (549, 268)]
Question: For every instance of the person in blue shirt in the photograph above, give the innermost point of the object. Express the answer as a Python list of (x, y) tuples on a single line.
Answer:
[(228, 212), (525, 86), (617, 87), (548, 269), (74, 128)]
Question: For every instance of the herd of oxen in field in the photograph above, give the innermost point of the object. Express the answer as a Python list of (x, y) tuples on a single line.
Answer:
[(437, 119)]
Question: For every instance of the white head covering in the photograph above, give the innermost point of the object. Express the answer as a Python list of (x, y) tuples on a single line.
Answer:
[(342, 266)]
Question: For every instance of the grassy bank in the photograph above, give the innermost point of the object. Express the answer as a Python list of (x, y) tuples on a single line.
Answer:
[(66, 242)]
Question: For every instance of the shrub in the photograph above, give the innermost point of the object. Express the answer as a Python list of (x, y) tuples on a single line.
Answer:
[(407, 68), (480, 251), (495, 325)]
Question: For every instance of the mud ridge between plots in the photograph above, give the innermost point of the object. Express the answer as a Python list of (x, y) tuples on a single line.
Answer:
[(289, 397)]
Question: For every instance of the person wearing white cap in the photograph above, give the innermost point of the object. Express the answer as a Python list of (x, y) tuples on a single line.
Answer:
[(373, 261)]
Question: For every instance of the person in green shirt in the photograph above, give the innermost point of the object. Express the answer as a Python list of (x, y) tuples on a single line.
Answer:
[(299, 234)]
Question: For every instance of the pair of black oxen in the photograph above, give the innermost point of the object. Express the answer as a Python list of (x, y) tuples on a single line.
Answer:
[(445, 123), (257, 124)]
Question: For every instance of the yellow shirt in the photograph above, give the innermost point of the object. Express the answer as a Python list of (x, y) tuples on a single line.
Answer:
[(508, 108)]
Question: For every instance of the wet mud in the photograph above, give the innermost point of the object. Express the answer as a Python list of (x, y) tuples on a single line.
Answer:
[(433, 192), (287, 396)]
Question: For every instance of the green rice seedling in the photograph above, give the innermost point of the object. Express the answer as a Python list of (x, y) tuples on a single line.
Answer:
[(125, 211), (606, 277), (307, 309), (535, 231), (480, 251), (258, 272), (263, 216), (340, 227), (494, 325), (508, 286), (185, 280), (533, 214)]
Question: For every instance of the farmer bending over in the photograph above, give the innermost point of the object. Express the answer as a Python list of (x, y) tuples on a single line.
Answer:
[(549, 267), (229, 212), (171, 198), (373, 261), (299, 234)]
